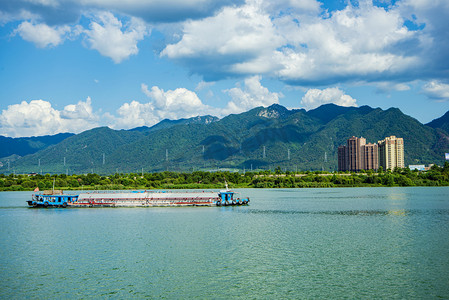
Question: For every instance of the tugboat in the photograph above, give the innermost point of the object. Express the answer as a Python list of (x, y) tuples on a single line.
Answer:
[(53, 198)]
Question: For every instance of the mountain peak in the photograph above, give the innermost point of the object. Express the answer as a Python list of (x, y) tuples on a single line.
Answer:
[(330, 111), (274, 111), (167, 123)]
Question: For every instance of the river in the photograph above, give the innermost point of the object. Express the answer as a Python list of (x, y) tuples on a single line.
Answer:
[(288, 243)]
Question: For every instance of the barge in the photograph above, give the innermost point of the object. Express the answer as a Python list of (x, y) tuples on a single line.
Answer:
[(136, 199)]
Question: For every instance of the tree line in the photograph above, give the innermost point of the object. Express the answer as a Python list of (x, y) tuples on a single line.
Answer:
[(436, 176)]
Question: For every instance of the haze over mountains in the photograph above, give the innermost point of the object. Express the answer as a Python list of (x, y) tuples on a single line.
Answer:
[(292, 139)]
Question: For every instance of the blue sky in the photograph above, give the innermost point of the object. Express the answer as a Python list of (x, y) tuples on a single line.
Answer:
[(68, 66)]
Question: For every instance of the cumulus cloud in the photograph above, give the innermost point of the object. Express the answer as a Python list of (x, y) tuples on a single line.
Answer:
[(315, 98), (43, 35), (302, 44), (38, 117), (81, 110), (354, 44), (437, 90), (171, 104), (298, 41), (252, 95), (135, 114), (106, 36), (235, 41)]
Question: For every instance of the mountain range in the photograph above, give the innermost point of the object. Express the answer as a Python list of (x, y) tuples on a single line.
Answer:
[(264, 137)]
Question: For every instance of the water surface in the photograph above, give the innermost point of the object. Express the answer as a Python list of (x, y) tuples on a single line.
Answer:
[(288, 243)]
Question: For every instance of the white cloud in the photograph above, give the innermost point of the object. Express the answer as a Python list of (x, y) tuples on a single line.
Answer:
[(135, 114), (106, 36), (38, 117), (357, 43), (315, 98), (171, 104), (43, 35), (176, 103), (232, 42), (81, 110), (437, 90), (252, 95), (301, 44)]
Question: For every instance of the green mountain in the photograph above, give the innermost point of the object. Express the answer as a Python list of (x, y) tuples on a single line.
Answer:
[(259, 138)]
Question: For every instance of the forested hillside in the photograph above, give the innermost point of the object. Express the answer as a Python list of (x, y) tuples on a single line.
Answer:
[(262, 138)]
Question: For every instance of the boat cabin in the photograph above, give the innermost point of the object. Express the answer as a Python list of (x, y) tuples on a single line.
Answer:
[(226, 198), (45, 200)]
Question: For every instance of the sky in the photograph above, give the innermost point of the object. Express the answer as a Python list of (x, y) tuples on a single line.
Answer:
[(72, 65)]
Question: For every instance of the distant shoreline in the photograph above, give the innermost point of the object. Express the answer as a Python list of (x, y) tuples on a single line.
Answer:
[(437, 176)]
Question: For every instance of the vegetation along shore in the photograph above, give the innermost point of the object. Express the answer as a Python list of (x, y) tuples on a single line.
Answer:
[(436, 176)]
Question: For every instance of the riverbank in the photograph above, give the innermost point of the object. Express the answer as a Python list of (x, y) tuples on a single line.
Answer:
[(437, 176)]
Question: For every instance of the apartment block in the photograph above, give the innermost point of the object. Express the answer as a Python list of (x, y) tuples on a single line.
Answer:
[(370, 157), (350, 157), (357, 155), (391, 153)]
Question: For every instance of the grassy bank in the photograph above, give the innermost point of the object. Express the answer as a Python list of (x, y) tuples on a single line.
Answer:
[(437, 176)]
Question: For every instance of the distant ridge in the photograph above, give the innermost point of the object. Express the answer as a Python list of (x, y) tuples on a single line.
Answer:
[(263, 137), (27, 145), (441, 122)]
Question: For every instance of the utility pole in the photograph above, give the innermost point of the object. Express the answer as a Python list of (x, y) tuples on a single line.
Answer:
[(264, 152), (288, 153)]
